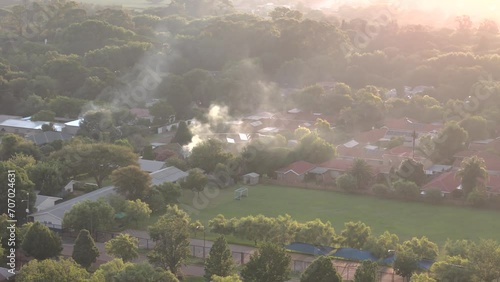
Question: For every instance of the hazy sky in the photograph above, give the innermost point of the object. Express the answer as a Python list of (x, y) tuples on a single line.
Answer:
[(476, 8)]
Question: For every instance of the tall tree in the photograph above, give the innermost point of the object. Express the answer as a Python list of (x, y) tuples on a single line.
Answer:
[(258, 270), (195, 181), (160, 196), (355, 234), (476, 127), (96, 160), (406, 262), (366, 272), (131, 182), (220, 260), (361, 171), (321, 270), (422, 277), (61, 270), (422, 247), (208, 154), (171, 235), (452, 269), (183, 134), (85, 252), (450, 140), (162, 112), (107, 271), (123, 246), (317, 233), (484, 258), (472, 173), (90, 215), (47, 177), (41, 243)]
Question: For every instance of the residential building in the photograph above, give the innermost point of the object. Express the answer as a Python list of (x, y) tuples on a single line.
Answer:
[(294, 172)]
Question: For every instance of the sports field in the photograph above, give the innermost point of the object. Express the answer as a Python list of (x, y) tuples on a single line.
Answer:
[(406, 219)]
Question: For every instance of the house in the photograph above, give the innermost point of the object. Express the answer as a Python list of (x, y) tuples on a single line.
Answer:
[(44, 202), (22, 127), (169, 174), (143, 114), (405, 127), (294, 172), (48, 137), (151, 166), (52, 217), (251, 178), (72, 127), (328, 171), (448, 182)]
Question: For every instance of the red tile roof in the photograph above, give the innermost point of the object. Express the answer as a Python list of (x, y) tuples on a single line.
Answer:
[(448, 181), (299, 167), (402, 124)]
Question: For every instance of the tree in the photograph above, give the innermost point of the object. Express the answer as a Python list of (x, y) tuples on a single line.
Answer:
[(346, 182), (44, 115), (89, 215), (147, 153), (406, 189), (107, 271), (452, 269), (171, 235), (183, 134), (160, 196), (13, 144), (406, 262), (207, 155), (123, 246), (60, 270), (144, 272), (361, 171), (472, 173), (96, 160), (232, 278), (323, 126), (258, 270), (195, 181), (355, 234), (380, 247), (162, 112), (321, 270), (85, 252), (23, 186), (137, 210), (47, 177), (300, 132), (314, 149), (457, 248), (476, 127), (422, 247), (131, 182), (220, 260), (317, 233), (422, 277), (220, 225), (484, 257), (450, 140), (366, 272), (100, 126), (412, 170), (41, 243)]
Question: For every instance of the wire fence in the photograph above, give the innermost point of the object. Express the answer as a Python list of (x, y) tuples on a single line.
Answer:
[(299, 263)]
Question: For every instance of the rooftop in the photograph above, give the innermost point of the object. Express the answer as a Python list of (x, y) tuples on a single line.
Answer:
[(169, 174), (299, 167), (48, 137), (23, 124), (150, 166)]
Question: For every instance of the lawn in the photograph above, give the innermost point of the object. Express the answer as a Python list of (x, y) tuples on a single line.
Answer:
[(406, 219)]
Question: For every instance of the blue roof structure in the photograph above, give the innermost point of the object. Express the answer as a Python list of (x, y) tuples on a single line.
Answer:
[(354, 254), (309, 249)]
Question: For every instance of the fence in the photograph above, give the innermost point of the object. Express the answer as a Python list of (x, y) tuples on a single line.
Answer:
[(299, 263)]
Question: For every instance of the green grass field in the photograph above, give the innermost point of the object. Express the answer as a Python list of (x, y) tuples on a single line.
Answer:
[(406, 219)]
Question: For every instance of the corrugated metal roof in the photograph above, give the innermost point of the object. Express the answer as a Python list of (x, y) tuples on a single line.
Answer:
[(169, 174)]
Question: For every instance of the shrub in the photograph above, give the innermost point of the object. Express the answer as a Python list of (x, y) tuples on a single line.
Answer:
[(477, 198), (381, 190), (434, 195)]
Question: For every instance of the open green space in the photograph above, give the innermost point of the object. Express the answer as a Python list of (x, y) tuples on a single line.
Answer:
[(406, 219)]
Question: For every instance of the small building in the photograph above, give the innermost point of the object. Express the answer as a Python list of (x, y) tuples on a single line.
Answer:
[(44, 202), (251, 178), (294, 172), (169, 174), (69, 187), (72, 127)]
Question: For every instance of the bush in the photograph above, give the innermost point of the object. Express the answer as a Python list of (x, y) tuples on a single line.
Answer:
[(434, 195), (407, 189), (381, 190), (457, 193), (477, 198)]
